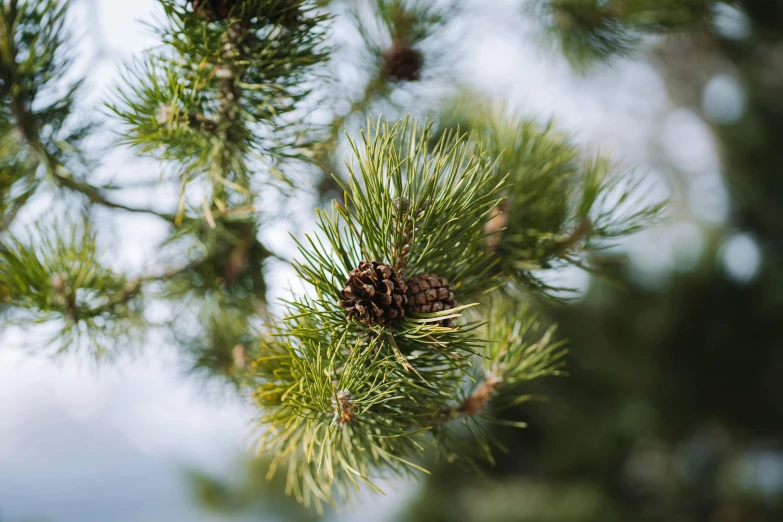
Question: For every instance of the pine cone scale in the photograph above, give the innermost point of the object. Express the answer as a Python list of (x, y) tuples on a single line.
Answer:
[(374, 294), (428, 293)]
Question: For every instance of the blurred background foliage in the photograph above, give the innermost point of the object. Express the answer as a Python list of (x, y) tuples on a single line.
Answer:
[(672, 410)]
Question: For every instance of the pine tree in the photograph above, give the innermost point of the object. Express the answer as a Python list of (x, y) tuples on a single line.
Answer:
[(413, 333)]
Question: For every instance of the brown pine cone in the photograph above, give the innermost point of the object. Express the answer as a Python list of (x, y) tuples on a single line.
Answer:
[(212, 9), (428, 293), (285, 12), (401, 62), (374, 294)]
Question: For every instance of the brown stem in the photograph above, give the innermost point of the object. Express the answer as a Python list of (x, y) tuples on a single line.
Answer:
[(96, 197), (495, 226), (401, 257), (581, 232), (471, 405), (16, 205), (131, 290), (229, 93)]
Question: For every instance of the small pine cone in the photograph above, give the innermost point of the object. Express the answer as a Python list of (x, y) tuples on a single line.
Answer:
[(374, 294), (428, 293), (401, 62), (212, 9)]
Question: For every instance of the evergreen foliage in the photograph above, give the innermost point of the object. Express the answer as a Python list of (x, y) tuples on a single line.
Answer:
[(596, 31), (219, 93), (59, 281), (224, 104), (420, 205), (531, 232)]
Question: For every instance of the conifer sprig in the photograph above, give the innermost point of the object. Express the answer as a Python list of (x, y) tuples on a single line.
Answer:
[(218, 95), (428, 205), (403, 46), (347, 402), (50, 274), (519, 348), (402, 194), (560, 204), (345, 417), (60, 284), (37, 130), (396, 34), (590, 32), (221, 101)]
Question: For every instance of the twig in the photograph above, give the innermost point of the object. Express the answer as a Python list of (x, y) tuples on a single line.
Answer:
[(28, 128), (471, 405), (132, 289), (94, 196)]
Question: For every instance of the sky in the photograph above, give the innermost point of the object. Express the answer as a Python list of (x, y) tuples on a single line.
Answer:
[(81, 444)]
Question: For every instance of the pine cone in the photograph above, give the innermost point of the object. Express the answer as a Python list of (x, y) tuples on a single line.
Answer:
[(401, 62), (212, 9), (220, 9), (374, 294), (428, 293)]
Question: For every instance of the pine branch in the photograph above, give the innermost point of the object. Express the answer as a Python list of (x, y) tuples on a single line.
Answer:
[(95, 196), (60, 283), (347, 395), (519, 349), (30, 75), (591, 32), (560, 206), (403, 45), (219, 93)]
